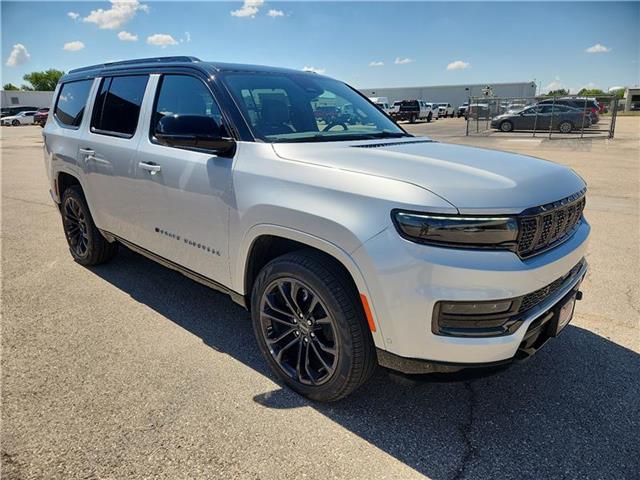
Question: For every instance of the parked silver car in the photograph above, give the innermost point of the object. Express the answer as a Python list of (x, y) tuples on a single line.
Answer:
[(352, 244)]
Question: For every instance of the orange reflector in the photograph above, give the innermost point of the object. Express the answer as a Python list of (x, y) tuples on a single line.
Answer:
[(367, 312)]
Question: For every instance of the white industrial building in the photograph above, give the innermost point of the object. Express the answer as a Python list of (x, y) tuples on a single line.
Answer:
[(453, 94), (16, 98)]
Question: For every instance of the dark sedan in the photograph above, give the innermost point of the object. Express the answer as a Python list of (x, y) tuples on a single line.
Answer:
[(542, 117)]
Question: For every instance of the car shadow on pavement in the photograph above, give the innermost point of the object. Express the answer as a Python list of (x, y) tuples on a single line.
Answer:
[(572, 411)]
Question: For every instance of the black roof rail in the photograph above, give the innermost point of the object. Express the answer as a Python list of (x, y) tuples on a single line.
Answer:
[(137, 61)]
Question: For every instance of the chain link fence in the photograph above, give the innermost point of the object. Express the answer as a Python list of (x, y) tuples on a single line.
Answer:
[(568, 116)]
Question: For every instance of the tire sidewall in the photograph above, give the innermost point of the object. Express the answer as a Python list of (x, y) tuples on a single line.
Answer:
[(281, 269), (72, 193)]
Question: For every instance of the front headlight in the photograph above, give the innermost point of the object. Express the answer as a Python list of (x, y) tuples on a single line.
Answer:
[(457, 231)]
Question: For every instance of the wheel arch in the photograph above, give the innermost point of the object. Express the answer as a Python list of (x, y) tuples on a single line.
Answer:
[(265, 242)]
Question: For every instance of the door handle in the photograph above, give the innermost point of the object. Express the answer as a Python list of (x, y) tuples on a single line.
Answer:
[(152, 168), (88, 153)]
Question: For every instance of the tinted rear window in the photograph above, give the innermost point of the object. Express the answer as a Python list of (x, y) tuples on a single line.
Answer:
[(72, 100), (118, 104)]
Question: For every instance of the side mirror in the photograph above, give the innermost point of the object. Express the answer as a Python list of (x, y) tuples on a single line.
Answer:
[(196, 132)]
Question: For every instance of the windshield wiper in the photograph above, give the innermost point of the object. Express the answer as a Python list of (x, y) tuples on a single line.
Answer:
[(388, 134), (319, 137)]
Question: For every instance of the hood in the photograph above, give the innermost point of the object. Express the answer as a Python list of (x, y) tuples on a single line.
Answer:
[(474, 180)]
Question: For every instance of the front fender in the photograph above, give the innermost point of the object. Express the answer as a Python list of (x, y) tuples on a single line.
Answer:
[(342, 256)]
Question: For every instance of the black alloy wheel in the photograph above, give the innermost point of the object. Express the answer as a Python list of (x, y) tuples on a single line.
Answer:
[(299, 331)]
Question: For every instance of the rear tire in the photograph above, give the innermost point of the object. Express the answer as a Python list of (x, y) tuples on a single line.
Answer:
[(506, 126), (412, 119), (86, 243), (565, 127), (310, 326)]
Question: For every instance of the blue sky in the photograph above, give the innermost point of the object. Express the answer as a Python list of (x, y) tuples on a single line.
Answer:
[(367, 44)]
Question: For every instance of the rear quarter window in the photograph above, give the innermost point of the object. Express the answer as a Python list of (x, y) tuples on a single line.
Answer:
[(72, 101), (117, 106)]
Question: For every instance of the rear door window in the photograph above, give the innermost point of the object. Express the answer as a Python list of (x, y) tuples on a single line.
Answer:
[(117, 106), (71, 102)]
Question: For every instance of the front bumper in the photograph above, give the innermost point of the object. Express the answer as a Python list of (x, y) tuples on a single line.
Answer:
[(405, 281)]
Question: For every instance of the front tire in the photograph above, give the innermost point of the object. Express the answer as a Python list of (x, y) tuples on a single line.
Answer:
[(310, 326), (15, 123), (86, 243)]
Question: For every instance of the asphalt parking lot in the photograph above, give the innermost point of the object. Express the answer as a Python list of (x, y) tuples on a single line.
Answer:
[(129, 370)]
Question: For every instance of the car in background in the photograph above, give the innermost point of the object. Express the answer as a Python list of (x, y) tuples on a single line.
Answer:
[(445, 110), (16, 109), (580, 103), (478, 111), (462, 109), (412, 111), (41, 116), (543, 117), (395, 108), (382, 103), (22, 118), (434, 110)]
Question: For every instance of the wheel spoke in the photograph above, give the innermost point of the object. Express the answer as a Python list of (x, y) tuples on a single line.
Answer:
[(274, 308), (323, 347), (324, 364), (284, 349), (299, 361), (278, 320), (281, 336), (306, 366), (286, 299), (312, 306)]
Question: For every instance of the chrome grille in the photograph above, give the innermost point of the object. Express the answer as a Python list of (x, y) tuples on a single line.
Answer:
[(550, 224)]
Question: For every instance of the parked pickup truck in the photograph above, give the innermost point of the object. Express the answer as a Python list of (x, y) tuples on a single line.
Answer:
[(352, 245), (413, 110)]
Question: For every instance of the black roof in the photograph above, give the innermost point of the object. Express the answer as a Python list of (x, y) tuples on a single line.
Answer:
[(178, 61)]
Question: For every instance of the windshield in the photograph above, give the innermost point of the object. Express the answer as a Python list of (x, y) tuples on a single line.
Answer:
[(302, 107)]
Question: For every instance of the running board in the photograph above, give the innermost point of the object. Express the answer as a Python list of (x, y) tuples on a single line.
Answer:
[(235, 296)]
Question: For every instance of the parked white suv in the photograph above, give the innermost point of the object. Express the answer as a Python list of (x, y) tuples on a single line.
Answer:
[(352, 243), (446, 110)]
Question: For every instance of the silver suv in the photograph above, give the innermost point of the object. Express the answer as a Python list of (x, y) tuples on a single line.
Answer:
[(352, 243)]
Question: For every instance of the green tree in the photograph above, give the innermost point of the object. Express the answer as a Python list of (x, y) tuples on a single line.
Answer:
[(560, 92), (44, 81), (9, 86), (590, 92)]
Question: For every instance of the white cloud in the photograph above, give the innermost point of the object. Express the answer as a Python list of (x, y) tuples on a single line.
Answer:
[(597, 48), (458, 65), (121, 12), (402, 61), (161, 40), (187, 37), (555, 85), (18, 56), (73, 16), (73, 46), (319, 71), (127, 37), (275, 13), (376, 64), (249, 8)]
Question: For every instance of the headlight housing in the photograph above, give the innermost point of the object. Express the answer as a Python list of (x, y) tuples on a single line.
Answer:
[(456, 230)]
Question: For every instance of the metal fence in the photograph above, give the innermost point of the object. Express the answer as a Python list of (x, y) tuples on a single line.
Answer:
[(553, 117)]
